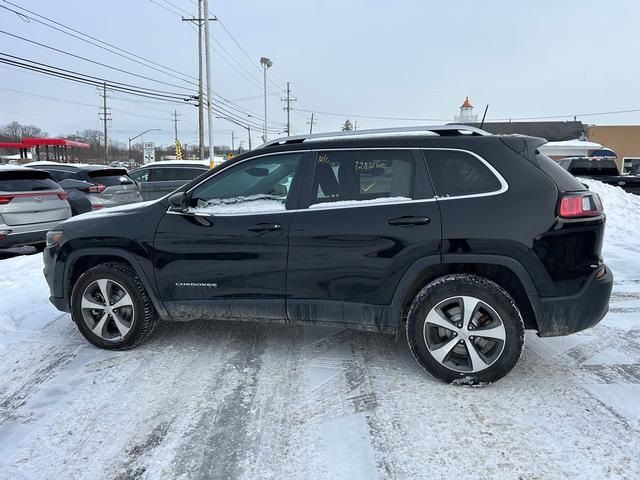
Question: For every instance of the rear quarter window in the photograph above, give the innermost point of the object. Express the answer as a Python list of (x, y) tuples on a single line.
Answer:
[(455, 173)]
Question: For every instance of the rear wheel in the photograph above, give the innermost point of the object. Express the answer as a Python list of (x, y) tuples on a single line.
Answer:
[(111, 307), (465, 329)]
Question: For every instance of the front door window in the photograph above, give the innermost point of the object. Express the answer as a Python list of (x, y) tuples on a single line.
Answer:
[(261, 185)]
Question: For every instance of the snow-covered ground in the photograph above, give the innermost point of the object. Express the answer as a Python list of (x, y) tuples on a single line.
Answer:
[(222, 400)]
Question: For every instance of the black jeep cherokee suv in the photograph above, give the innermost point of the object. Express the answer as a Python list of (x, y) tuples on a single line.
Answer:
[(459, 238)]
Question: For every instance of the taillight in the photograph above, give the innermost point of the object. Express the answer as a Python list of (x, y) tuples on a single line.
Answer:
[(63, 195), (580, 205), (95, 188), (4, 199)]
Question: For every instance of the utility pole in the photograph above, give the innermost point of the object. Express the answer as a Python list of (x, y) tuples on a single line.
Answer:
[(207, 49), (288, 99), (199, 20), (233, 141), (311, 123), (105, 116), (175, 116), (355, 125)]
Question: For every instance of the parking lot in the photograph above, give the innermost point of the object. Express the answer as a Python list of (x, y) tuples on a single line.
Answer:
[(245, 400)]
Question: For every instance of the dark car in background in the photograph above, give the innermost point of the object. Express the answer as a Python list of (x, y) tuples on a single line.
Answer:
[(157, 179), (604, 170), (92, 187), (30, 204)]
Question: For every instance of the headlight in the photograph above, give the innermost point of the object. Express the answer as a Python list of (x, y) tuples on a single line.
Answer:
[(54, 238)]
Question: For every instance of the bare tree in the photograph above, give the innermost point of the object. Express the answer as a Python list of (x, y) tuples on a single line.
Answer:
[(14, 131)]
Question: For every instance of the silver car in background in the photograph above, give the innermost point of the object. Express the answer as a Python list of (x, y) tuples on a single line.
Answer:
[(92, 187), (158, 179), (30, 204)]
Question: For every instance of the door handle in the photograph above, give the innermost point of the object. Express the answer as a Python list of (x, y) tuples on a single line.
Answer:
[(409, 221), (265, 227)]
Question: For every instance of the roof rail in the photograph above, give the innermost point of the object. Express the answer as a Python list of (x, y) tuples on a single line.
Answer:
[(441, 130)]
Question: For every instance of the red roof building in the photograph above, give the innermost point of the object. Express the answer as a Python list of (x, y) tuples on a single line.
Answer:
[(59, 147)]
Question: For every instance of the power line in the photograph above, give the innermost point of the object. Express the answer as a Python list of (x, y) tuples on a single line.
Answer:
[(114, 86), (335, 114), (91, 80), (64, 52), (101, 44)]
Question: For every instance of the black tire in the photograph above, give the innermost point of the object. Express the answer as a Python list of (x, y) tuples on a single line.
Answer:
[(40, 247), (457, 366), (144, 317)]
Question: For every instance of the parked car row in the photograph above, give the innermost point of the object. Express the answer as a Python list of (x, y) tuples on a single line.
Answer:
[(35, 197)]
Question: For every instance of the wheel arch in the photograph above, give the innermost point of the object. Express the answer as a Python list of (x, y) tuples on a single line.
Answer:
[(504, 271), (80, 261)]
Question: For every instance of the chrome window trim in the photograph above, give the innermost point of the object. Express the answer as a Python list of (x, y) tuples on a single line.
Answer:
[(504, 186)]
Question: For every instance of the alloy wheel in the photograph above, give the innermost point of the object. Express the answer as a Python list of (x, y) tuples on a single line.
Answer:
[(107, 309), (464, 334)]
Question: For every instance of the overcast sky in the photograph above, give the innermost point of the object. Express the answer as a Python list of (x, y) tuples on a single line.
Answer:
[(413, 59)]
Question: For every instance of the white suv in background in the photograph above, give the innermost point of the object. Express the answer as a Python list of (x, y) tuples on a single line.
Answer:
[(30, 204)]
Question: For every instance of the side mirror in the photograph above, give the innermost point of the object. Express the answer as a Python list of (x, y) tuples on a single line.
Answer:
[(178, 202)]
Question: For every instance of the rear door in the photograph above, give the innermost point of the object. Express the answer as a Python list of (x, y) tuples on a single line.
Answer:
[(141, 176), (368, 216), (30, 197)]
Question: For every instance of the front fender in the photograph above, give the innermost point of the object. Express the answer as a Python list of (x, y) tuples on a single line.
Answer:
[(132, 256)]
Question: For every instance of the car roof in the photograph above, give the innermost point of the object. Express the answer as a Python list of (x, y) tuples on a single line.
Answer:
[(12, 168), (71, 166), (183, 163)]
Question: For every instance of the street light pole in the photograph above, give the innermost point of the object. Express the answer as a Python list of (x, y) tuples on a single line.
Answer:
[(266, 63), (139, 135)]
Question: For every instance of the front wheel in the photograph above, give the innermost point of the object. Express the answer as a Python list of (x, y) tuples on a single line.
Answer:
[(111, 307), (464, 328)]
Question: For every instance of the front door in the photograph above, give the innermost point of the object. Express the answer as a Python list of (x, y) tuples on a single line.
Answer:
[(226, 257)]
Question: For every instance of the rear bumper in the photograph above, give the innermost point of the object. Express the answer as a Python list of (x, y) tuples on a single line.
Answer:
[(19, 239), (558, 316)]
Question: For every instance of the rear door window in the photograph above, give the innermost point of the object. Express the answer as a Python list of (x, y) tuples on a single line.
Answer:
[(455, 173), (350, 176), (28, 181), (109, 178), (168, 174)]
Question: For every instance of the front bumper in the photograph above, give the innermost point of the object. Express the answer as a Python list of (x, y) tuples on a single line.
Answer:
[(24, 238), (557, 316)]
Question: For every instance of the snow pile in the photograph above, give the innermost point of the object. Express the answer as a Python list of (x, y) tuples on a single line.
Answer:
[(24, 296), (359, 203), (239, 205), (621, 249)]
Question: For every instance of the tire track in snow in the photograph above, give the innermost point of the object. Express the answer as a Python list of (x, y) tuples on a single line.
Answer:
[(52, 363), (214, 445)]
